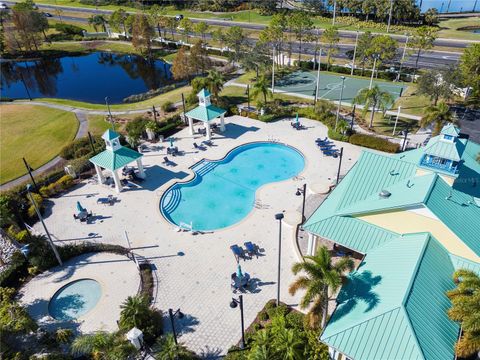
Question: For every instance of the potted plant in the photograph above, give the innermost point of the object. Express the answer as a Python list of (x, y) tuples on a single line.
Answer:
[(151, 128)]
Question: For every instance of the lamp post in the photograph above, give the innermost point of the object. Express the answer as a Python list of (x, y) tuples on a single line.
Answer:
[(390, 16), (172, 315), (273, 70), (353, 117), (334, 11), (109, 113), (29, 169), (354, 54), (405, 134), (318, 76), (339, 103), (396, 120), (403, 58), (339, 164), (50, 241), (302, 191), (279, 217), (375, 58), (233, 305), (248, 97)]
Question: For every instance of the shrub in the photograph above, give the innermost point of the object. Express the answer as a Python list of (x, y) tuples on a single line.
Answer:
[(332, 134), (137, 312), (262, 315), (374, 142), (81, 147), (80, 165), (295, 319), (168, 106), (280, 310), (68, 29), (16, 270)]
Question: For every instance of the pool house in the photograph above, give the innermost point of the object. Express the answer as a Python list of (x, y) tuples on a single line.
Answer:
[(414, 218), (206, 113)]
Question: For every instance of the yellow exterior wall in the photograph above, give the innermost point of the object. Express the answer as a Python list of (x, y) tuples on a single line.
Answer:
[(448, 179), (404, 222)]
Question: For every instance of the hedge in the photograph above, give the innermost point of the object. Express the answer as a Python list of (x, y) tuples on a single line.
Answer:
[(374, 142)]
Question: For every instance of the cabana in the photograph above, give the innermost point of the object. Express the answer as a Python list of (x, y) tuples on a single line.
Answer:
[(115, 157), (205, 112)]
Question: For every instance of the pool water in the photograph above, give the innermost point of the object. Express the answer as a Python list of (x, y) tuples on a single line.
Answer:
[(223, 192), (75, 299)]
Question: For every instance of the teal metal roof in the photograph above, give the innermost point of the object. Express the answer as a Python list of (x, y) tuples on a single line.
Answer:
[(462, 263), (110, 135), (113, 160), (352, 233), (451, 130), (394, 307), (204, 93), (205, 113), (445, 149)]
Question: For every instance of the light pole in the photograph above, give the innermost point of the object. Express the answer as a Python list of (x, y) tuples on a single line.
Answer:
[(390, 16), (396, 120), (233, 305), (353, 117), (29, 169), (318, 75), (373, 71), (334, 12), (50, 241), (403, 58), (405, 134), (354, 53), (302, 191), (109, 113), (279, 217), (339, 164), (172, 315), (273, 70), (339, 103)]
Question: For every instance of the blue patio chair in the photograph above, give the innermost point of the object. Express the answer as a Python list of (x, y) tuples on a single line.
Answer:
[(238, 252), (251, 249)]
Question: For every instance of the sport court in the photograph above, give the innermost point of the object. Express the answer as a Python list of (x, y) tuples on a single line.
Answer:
[(304, 83)]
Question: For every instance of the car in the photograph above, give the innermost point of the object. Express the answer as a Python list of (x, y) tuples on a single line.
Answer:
[(47, 14), (3, 5), (178, 17)]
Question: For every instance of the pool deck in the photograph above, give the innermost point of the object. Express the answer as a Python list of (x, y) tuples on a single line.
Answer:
[(116, 274), (193, 271)]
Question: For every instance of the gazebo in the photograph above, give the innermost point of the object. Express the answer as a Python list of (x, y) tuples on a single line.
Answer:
[(114, 157), (205, 112)]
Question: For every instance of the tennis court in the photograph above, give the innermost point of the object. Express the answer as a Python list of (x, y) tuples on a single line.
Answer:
[(304, 83)]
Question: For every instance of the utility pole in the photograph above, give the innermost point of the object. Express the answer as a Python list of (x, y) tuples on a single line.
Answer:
[(354, 53), (390, 16), (109, 113), (90, 139)]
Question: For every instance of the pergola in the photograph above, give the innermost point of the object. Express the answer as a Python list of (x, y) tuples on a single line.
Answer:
[(205, 112), (115, 157)]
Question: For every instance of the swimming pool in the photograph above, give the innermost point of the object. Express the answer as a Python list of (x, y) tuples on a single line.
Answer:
[(75, 299), (223, 192)]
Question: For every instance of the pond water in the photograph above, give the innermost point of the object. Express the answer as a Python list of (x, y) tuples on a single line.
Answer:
[(87, 78)]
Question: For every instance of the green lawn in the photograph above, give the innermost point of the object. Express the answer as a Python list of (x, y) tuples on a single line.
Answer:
[(411, 102), (449, 28), (34, 132), (97, 124)]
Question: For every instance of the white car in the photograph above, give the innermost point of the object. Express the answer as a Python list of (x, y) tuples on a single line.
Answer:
[(3, 5)]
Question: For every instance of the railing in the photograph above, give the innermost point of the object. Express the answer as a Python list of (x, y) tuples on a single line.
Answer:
[(443, 167)]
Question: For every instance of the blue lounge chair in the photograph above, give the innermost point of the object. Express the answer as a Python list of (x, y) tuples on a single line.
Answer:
[(320, 140), (331, 152), (251, 249), (238, 252)]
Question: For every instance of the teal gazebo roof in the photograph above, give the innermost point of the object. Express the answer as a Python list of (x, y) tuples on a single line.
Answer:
[(205, 113), (113, 160), (110, 135), (451, 130)]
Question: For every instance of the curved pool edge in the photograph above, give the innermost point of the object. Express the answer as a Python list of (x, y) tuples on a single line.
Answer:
[(192, 175)]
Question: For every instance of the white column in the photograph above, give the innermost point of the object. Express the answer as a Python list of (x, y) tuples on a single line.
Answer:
[(207, 127), (141, 173), (190, 124), (101, 178), (116, 179), (222, 123), (312, 244)]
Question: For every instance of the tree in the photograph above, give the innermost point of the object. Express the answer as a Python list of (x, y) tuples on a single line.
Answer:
[(315, 6), (266, 7), (438, 84), (186, 25), (136, 312), (470, 68), (117, 21), (373, 99), (262, 86), (423, 40), (363, 46), (235, 39), (383, 47), (274, 34), (218, 35), (431, 17), (102, 346), (321, 279), (98, 21), (142, 34), (13, 317), (199, 60), (301, 24), (181, 65), (172, 25), (28, 24), (342, 126), (465, 309), (166, 349), (330, 38), (437, 116), (157, 15), (202, 29), (214, 82), (256, 59)]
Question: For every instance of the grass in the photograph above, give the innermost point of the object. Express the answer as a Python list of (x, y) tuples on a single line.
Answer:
[(97, 124), (237, 95), (450, 28), (411, 102), (36, 133), (384, 125), (94, 45)]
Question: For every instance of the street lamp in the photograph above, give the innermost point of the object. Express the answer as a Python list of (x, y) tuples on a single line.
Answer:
[(340, 102), (302, 191), (233, 305), (403, 57), (279, 217), (50, 241), (390, 16), (339, 164), (172, 315), (375, 58), (109, 113), (354, 53)]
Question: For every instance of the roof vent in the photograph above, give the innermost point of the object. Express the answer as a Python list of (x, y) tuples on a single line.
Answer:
[(385, 194)]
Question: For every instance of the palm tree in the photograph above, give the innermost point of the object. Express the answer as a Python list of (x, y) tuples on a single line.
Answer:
[(215, 81), (102, 346), (262, 86), (437, 115), (321, 278), (465, 309), (166, 349), (96, 21), (291, 344), (373, 98), (135, 310), (342, 126), (262, 348)]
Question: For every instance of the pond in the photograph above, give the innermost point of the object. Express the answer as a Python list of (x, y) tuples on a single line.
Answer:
[(88, 78)]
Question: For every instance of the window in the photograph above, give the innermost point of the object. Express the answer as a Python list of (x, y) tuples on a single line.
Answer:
[(448, 137)]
